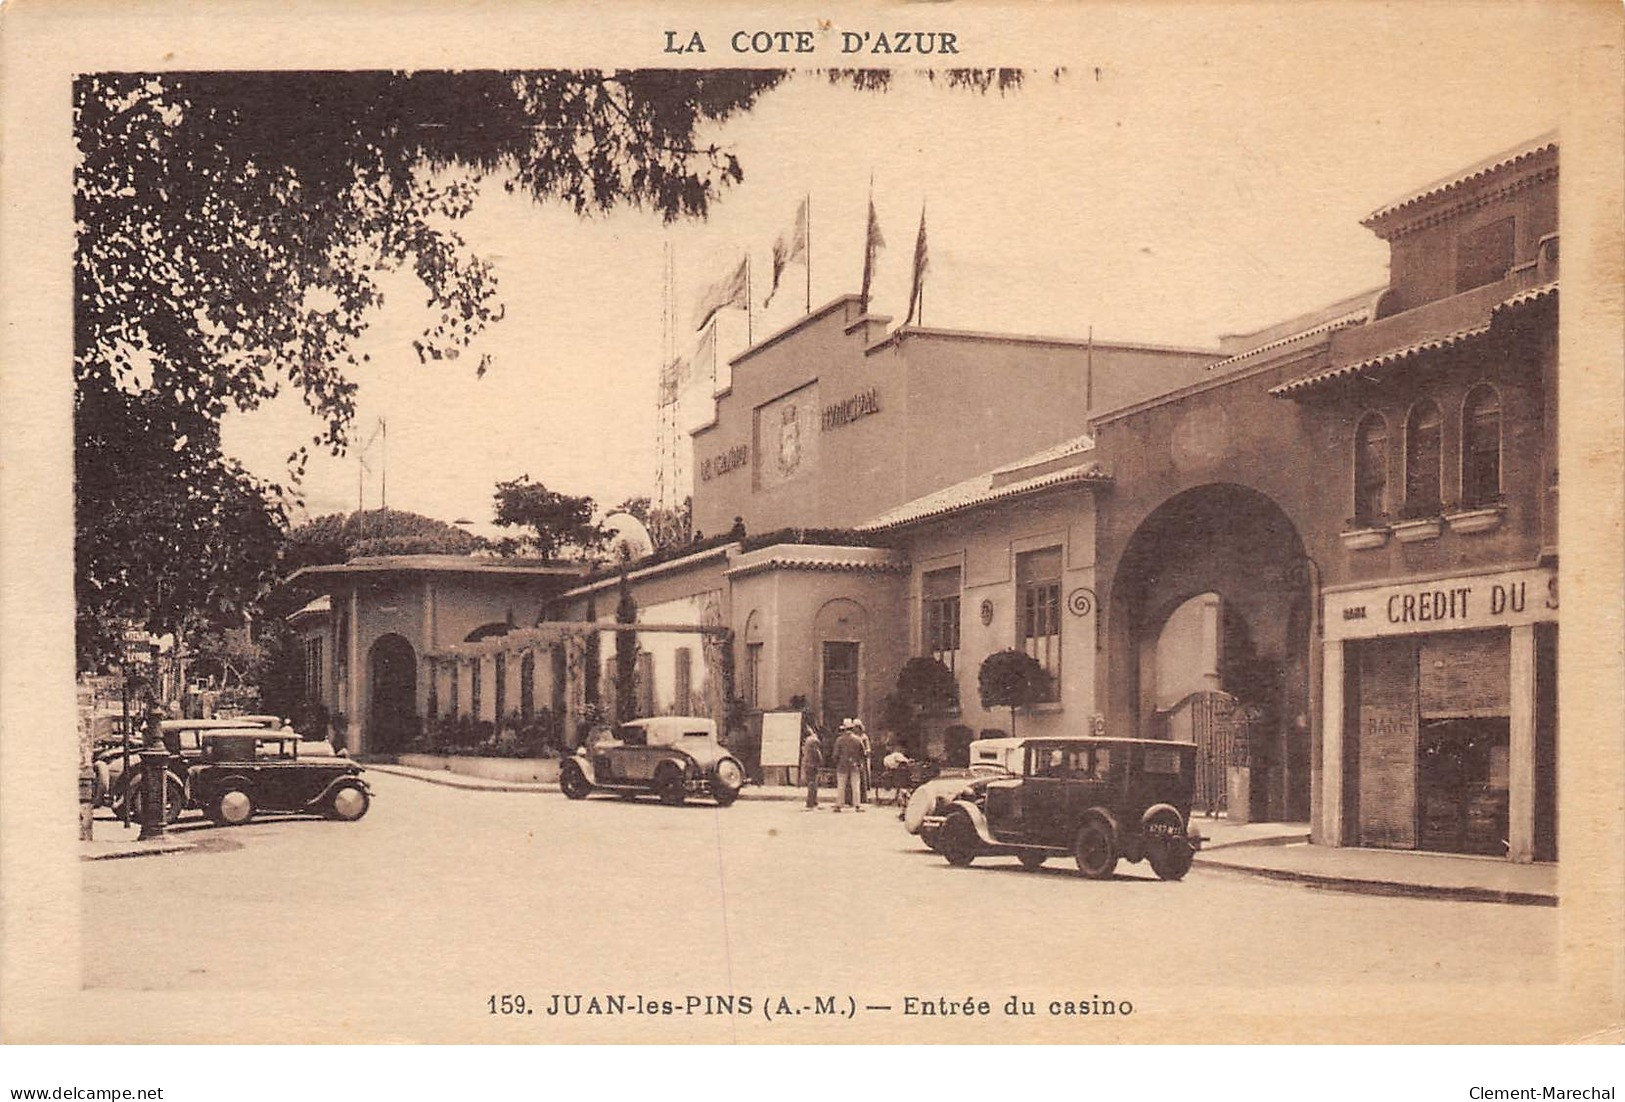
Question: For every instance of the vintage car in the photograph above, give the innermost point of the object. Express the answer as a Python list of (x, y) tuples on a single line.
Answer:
[(1093, 799), (672, 757), (242, 773), (990, 757), (184, 740)]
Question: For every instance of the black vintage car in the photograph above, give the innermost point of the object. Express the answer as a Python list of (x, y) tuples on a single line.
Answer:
[(1093, 799), (241, 774), (183, 739), (672, 757)]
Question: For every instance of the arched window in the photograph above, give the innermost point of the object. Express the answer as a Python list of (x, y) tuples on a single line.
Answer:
[(1481, 447), (1422, 458), (1370, 469)]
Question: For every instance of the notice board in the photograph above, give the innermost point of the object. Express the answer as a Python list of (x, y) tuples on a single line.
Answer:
[(781, 739)]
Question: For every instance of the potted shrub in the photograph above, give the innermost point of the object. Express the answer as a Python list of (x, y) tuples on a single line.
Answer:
[(1012, 679)]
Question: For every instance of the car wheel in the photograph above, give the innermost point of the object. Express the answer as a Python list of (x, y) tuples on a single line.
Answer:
[(1170, 857), (174, 799), (957, 840), (669, 787), (349, 803), (573, 782), (1030, 860), (233, 807), (726, 782), (1095, 850)]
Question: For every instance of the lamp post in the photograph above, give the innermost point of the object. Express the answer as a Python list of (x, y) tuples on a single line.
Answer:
[(136, 648)]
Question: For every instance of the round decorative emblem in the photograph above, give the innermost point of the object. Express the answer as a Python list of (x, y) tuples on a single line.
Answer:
[(1081, 601), (987, 613)]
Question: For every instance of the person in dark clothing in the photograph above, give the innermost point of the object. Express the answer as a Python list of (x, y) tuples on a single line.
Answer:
[(812, 760)]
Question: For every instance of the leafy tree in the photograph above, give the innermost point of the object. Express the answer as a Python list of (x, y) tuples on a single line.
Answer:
[(626, 655), (928, 684), (555, 521), (1014, 679), (233, 232)]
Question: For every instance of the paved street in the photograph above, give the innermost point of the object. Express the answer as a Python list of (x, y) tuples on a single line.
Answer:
[(441, 889)]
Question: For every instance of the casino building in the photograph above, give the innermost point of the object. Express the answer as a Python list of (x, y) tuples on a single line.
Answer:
[(1341, 528)]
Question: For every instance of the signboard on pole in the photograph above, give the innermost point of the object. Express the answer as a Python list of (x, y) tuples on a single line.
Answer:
[(781, 739)]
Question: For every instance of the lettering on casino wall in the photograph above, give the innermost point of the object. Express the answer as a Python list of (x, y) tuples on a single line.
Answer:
[(839, 414), (730, 460)]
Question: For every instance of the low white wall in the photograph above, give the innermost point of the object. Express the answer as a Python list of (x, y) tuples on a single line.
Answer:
[(491, 769)]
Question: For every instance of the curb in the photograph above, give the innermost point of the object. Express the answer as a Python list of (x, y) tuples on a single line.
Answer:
[(1357, 886), (1268, 840), (149, 851)]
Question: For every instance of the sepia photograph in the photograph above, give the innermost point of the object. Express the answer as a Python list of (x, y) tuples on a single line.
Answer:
[(915, 525)]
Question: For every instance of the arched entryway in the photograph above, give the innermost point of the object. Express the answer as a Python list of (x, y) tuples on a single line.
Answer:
[(839, 630), (392, 668), (1216, 576)]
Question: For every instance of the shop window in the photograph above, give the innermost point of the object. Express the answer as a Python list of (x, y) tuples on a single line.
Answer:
[(527, 686), (1370, 469), (683, 695), (1484, 255), (1422, 459), (474, 686), (1481, 447), (456, 688), (1038, 603), (939, 598), (753, 676)]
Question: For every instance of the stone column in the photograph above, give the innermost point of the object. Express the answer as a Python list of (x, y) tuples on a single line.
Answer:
[(1331, 753), (352, 735), (1521, 764)]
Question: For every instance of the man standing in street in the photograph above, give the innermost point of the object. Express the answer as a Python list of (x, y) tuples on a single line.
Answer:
[(812, 760), (849, 766)]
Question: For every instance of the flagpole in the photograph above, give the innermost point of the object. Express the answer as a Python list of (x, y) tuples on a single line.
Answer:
[(1089, 373), (806, 224), (750, 338)]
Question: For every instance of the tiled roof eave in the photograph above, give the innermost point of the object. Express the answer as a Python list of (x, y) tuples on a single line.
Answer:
[(1522, 299), (1090, 475), (831, 566), (1387, 359)]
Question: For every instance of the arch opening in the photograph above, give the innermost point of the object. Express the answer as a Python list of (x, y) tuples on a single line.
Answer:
[(1213, 595), (392, 716)]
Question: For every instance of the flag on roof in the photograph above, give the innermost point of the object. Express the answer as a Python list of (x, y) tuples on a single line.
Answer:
[(873, 243), (730, 290), (916, 294), (788, 249)]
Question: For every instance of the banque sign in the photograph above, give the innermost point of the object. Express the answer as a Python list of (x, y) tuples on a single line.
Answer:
[(1508, 599)]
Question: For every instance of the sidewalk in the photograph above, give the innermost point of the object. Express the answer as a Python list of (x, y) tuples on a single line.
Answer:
[(110, 840), (1380, 872), (1276, 851)]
